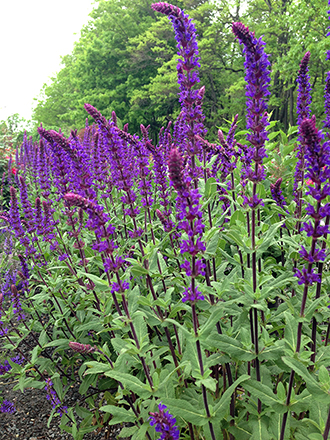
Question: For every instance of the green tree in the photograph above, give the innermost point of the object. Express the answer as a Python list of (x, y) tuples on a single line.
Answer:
[(126, 61)]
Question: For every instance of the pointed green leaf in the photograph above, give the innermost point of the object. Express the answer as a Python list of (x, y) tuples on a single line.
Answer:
[(132, 383), (182, 409), (231, 346), (222, 406), (119, 415)]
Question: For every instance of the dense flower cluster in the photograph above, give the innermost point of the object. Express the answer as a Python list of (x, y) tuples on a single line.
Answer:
[(276, 191), (6, 367), (257, 77), (190, 97), (190, 221), (317, 158), (52, 397), (7, 407), (164, 423), (303, 110), (141, 226), (81, 348)]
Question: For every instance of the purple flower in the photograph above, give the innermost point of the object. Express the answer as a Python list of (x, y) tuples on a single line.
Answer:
[(81, 348), (252, 201), (97, 218), (307, 278), (258, 78), (190, 98), (5, 367), (327, 102), (26, 205), (43, 170), (164, 423), (317, 157), (7, 407), (192, 295), (304, 90), (52, 397), (313, 231), (275, 189), (116, 287), (17, 307), (136, 233), (303, 110), (318, 255)]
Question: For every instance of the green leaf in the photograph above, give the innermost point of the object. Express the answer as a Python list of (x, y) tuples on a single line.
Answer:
[(182, 409), (119, 415), (324, 377), (99, 282), (140, 328), (128, 432), (222, 406), (230, 346), (95, 367), (290, 331), (265, 394), (43, 338), (237, 216), (212, 245), (315, 436), (59, 343), (259, 429), (281, 393), (136, 268), (210, 187), (284, 137), (273, 135), (87, 381), (313, 386), (91, 325), (132, 383)]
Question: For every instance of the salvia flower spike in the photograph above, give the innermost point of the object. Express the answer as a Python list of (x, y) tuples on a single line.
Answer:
[(7, 407), (164, 424), (52, 397), (257, 67), (303, 111)]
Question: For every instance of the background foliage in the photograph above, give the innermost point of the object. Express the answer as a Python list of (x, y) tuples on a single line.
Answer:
[(125, 61)]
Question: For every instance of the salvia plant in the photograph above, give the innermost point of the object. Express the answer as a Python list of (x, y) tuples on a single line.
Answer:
[(181, 284)]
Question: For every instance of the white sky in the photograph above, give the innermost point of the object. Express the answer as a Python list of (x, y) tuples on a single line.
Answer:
[(34, 34)]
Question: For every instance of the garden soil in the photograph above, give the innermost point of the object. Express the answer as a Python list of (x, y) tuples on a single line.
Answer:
[(29, 422)]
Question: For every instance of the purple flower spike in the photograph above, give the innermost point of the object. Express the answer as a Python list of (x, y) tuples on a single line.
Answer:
[(303, 111), (52, 397), (304, 90), (166, 9), (327, 102), (257, 77), (275, 189), (192, 295), (190, 98), (7, 407), (165, 424), (96, 215), (307, 278), (176, 171), (317, 157), (17, 307), (81, 348)]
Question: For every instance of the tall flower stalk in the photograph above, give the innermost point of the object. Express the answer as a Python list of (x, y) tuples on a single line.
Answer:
[(190, 97), (303, 112), (317, 157), (258, 79)]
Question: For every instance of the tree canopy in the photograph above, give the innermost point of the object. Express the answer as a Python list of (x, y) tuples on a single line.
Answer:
[(125, 60)]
